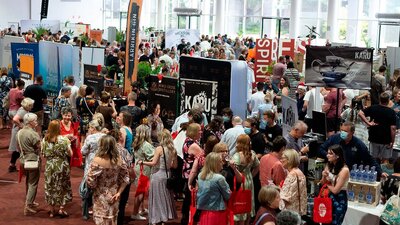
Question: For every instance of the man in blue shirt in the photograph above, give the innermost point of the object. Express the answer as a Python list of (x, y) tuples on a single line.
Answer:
[(355, 151)]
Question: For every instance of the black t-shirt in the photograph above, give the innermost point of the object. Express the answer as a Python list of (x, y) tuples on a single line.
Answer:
[(37, 93), (384, 117), (137, 115), (229, 175), (258, 143), (144, 58), (272, 132), (375, 91)]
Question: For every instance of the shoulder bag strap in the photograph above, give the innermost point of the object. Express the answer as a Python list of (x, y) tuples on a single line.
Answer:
[(261, 218), (84, 99), (165, 162), (298, 187)]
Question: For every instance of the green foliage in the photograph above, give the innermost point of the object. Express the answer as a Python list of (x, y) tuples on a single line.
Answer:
[(40, 31), (120, 37), (144, 70), (84, 37)]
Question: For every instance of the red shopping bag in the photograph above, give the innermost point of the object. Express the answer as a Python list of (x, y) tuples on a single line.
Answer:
[(192, 209), (322, 207), (240, 200), (143, 183)]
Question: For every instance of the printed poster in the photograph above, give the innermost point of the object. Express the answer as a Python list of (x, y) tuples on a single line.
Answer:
[(199, 91), (25, 60), (289, 114), (165, 93), (340, 67)]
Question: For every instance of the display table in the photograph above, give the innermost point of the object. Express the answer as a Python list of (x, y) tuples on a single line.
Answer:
[(362, 215)]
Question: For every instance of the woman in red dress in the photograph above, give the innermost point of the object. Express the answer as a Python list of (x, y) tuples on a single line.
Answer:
[(70, 130)]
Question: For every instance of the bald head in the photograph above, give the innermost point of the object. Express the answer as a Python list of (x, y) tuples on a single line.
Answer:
[(236, 120)]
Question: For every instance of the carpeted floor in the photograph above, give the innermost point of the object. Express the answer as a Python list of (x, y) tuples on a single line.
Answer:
[(12, 195)]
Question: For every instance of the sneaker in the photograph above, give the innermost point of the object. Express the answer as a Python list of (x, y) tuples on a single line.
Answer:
[(144, 212), (12, 169), (138, 217), (35, 204)]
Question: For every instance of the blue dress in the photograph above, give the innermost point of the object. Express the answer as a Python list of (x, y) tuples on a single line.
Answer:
[(128, 140)]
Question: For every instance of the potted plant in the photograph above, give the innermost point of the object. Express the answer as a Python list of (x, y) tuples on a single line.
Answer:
[(144, 70)]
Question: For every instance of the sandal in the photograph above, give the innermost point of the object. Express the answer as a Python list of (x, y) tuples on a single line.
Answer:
[(62, 213), (51, 214)]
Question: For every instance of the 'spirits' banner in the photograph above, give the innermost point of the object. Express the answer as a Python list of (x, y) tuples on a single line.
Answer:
[(91, 78), (340, 67), (132, 44), (199, 92), (25, 60), (267, 52), (44, 9), (165, 93)]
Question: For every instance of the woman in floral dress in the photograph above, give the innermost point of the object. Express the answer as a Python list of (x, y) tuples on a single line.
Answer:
[(89, 149), (107, 177), (248, 165), (56, 149)]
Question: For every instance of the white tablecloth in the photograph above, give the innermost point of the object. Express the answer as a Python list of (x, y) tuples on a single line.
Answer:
[(362, 215)]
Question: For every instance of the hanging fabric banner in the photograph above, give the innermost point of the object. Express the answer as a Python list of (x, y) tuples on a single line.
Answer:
[(132, 31)]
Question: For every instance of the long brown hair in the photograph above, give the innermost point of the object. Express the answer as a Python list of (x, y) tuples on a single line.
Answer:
[(52, 131), (243, 145), (108, 147)]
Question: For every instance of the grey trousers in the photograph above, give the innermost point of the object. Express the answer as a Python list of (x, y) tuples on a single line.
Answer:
[(32, 181)]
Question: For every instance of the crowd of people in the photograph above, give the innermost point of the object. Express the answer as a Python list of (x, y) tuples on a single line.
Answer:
[(207, 161)]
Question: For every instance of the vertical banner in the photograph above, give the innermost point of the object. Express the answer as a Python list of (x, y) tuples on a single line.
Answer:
[(289, 114), (165, 94), (264, 51), (91, 78), (44, 9), (340, 67), (132, 44), (199, 92), (25, 60)]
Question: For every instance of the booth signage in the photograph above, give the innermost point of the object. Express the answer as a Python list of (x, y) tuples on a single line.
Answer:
[(199, 92), (340, 67)]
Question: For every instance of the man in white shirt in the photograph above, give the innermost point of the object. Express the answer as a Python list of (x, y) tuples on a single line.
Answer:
[(70, 82), (255, 100), (230, 135), (312, 102), (166, 58)]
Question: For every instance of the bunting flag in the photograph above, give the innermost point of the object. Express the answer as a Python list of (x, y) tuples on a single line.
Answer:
[(132, 43)]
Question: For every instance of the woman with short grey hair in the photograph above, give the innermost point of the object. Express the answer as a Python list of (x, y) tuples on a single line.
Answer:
[(26, 106), (288, 217), (29, 143)]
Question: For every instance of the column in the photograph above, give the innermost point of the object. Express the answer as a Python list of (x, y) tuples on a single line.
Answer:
[(160, 15), (332, 23), (205, 17), (295, 8), (220, 17)]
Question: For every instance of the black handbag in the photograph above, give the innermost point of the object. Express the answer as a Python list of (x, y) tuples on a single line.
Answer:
[(172, 180)]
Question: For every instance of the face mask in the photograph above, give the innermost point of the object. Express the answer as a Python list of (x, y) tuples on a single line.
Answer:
[(226, 118), (343, 135), (264, 122), (247, 130)]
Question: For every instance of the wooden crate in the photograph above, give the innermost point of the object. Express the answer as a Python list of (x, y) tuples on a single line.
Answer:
[(375, 189)]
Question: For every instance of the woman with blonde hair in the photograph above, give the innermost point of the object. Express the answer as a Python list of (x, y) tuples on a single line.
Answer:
[(26, 106), (161, 200), (294, 189), (213, 192), (269, 199), (107, 177), (248, 164), (144, 151), (89, 150), (57, 186)]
